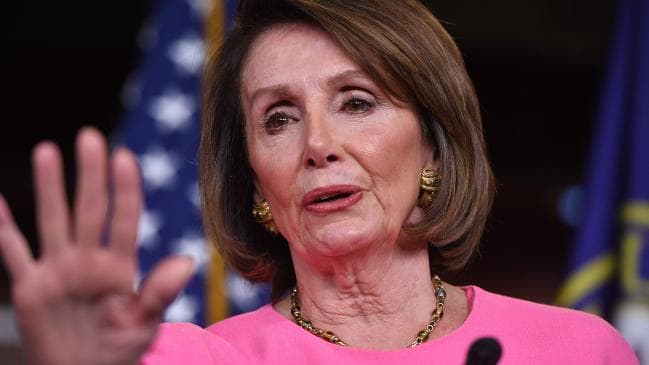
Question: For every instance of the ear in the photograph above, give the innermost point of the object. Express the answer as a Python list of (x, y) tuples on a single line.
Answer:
[(257, 194), (428, 156)]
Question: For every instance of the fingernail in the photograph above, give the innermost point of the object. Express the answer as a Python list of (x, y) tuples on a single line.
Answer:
[(88, 129)]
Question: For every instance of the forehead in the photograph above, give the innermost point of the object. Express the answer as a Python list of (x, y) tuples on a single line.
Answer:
[(290, 53)]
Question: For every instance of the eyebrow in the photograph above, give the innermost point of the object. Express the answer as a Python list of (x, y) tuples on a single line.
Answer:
[(281, 90), (343, 76), (284, 90)]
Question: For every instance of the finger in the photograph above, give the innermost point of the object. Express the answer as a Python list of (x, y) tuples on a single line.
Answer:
[(91, 196), (52, 213), (13, 246), (127, 202), (163, 284)]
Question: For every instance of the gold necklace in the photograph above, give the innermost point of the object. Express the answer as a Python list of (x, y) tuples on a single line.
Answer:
[(422, 336)]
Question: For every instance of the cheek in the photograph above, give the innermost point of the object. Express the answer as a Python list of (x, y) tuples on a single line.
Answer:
[(274, 170), (395, 155), (394, 159)]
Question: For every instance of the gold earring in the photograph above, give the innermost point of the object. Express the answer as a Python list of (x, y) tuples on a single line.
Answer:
[(428, 185), (261, 213)]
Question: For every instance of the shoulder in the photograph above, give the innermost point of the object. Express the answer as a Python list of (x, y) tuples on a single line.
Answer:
[(187, 343), (538, 315), (529, 326), (260, 336), (243, 326)]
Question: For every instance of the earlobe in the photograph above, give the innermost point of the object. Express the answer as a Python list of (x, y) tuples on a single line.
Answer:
[(257, 194), (430, 155), (434, 164), (432, 160)]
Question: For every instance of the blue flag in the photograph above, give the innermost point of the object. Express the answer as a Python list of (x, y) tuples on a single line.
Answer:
[(161, 126), (609, 266)]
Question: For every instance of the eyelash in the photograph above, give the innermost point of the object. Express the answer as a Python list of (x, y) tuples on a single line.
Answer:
[(354, 105), (271, 119), (365, 105)]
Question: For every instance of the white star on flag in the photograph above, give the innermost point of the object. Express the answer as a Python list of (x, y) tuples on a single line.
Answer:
[(172, 110), (241, 292), (193, 245), (194, 196), (161, 125), (187, 53), (183, 309), (148, 228), (158, 169)]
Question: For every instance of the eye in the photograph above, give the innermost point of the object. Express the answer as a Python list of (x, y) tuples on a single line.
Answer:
[(357, 105), (276, 121)]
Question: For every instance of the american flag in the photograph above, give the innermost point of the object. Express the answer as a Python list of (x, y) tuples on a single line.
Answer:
[(162, 126)]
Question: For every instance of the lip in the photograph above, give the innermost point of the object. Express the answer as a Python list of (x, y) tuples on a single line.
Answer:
[(312, 200)]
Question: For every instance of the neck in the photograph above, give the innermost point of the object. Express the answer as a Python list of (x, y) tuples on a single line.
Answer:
[(376, 299)]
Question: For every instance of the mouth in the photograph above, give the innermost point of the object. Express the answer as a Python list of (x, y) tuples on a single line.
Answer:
[(328, 198), (332, 198)]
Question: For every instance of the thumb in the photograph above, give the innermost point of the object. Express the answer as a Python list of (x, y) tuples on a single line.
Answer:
[(163, 284)]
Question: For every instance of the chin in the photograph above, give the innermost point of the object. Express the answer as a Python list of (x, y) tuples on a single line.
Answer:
[(344, 238)]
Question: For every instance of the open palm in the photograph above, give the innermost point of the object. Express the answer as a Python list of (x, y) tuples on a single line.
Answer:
[(77, 304)]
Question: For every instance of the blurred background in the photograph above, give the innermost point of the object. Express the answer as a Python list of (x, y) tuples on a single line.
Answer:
[(538, 66)]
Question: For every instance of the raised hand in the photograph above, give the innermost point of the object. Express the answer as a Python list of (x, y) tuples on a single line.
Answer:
[(77, 304)]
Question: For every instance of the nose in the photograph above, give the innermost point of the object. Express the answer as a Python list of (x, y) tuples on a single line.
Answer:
[(322, 146)]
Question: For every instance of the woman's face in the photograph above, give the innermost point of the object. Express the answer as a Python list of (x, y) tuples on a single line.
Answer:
[(338, 162)]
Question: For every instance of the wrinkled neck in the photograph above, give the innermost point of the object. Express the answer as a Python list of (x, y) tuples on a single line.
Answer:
[(373, 299)]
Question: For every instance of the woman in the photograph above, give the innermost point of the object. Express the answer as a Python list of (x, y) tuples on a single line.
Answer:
[(352, 132)]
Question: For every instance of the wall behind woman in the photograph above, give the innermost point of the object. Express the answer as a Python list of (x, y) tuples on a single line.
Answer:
[(536, 64)]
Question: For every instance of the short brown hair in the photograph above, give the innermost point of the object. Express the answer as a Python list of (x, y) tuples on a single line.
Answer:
[(402, 47)]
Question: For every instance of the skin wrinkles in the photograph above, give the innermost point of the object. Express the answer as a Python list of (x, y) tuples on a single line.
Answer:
[(314, 119), (283, 91), (365, 297)]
